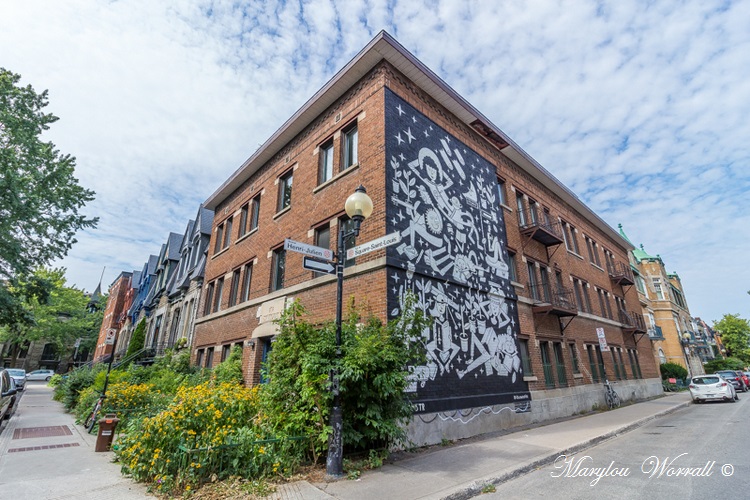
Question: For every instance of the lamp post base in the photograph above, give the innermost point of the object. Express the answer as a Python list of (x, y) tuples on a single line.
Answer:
[(335, 458)]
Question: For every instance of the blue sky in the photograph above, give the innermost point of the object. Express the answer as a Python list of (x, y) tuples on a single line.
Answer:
[(641, 108)]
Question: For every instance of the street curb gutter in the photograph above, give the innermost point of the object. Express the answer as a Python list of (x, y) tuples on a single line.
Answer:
[(476, 487)]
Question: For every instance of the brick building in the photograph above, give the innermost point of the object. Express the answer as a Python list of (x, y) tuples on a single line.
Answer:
[(521, 277), (113, 314)]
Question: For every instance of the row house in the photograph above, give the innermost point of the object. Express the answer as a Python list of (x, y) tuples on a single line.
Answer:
[(166, 291), (118, 290), (530, 291), (670, 324)]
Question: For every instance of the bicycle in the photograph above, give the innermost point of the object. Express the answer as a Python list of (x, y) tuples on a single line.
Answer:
[(610, 396), (90, 421)]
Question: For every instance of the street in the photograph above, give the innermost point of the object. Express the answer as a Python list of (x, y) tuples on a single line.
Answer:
[(697, 452)]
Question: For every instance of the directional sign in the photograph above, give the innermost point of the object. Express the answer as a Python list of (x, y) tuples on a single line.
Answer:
[(602, 340), (296, 246), (371, 246), (318, 265)]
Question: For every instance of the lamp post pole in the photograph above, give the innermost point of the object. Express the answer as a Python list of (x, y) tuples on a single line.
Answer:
[(358, 206), (686, 349)]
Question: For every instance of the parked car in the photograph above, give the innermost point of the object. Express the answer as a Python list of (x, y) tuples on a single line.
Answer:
[(7, 394), (745, 378), (735, 378), (19, 376), (711, 387), (40, 375)]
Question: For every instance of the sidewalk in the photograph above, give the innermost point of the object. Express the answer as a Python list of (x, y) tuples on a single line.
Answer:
[(45, 456), (460, 471)]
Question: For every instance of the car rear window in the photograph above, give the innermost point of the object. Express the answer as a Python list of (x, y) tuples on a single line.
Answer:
[(706, 380)]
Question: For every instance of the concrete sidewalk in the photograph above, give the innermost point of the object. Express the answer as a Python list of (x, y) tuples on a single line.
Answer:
[(460, 471), (44, 455)]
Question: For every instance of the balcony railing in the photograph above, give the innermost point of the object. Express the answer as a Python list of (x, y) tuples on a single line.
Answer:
[(552, 300), (633, 321), (620, 273), (655, 333), (537, 226)]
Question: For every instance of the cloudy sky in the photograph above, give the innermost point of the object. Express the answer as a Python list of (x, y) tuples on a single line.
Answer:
[(641, 108)]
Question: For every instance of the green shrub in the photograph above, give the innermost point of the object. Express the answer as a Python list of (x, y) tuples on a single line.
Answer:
[(673, 370), (138, 339), (373, 376), (715, 365), (230, 370), (67, 392)]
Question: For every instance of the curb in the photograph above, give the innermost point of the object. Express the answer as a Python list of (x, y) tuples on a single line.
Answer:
[(475, 488)]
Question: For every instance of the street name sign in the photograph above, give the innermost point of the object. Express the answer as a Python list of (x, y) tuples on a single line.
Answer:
[(319, 266), (602, 340), (371, 246), (296, 246)]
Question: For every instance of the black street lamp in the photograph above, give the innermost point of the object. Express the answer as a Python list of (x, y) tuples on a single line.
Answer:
[(685, 341), (358, 207)]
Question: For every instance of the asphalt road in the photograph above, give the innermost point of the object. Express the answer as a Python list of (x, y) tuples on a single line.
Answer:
[(700, 452)]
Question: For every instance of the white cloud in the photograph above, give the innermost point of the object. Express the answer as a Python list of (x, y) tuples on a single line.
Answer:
[(641, 109)]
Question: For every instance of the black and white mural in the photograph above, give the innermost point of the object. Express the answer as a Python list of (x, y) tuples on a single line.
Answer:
[(443, 201)]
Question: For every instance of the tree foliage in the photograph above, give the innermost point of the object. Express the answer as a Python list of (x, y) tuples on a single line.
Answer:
[(715, 365), (40, 199), (735, 335), (138, 339), (673, 370), (53, 312)]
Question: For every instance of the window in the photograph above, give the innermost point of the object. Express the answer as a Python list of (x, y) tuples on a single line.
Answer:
[(246, 278), (227, 233), (622, 364), (512, 266), (209, 357), (199, 357), (502, 198), (521, 210), (640, 284), (277, 269), (657, 289), (620, 304), (219, 238), (609, 258), (549, 378), (618, 375), (323, 239), (348, 225), (217, 294), (325, 162), (209, 298), (662, 356), (243, 219), (351, 138), (557, 350), (285, 191), (604, 304), (592, 363), (593, 251), (637, 373), (533, 285), (569, 235), (582, 295), (254, 213), (234, 288), (574, 358), (544, 283), (225, 352), (523, 344), (534, 211)]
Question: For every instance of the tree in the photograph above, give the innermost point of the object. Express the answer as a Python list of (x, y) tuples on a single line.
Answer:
[(52, 312), (40, 198), (735, 335)]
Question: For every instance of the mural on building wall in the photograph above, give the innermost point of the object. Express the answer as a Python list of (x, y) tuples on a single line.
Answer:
[(443, 200)]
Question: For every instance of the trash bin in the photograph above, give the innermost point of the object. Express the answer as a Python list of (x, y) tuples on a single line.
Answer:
[(106, 432)]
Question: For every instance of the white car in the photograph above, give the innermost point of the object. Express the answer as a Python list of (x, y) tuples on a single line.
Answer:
[(40, 375), (712, 387), (19, 376)]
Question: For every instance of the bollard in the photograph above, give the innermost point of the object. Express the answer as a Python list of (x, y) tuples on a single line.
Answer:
[(106, 432)]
